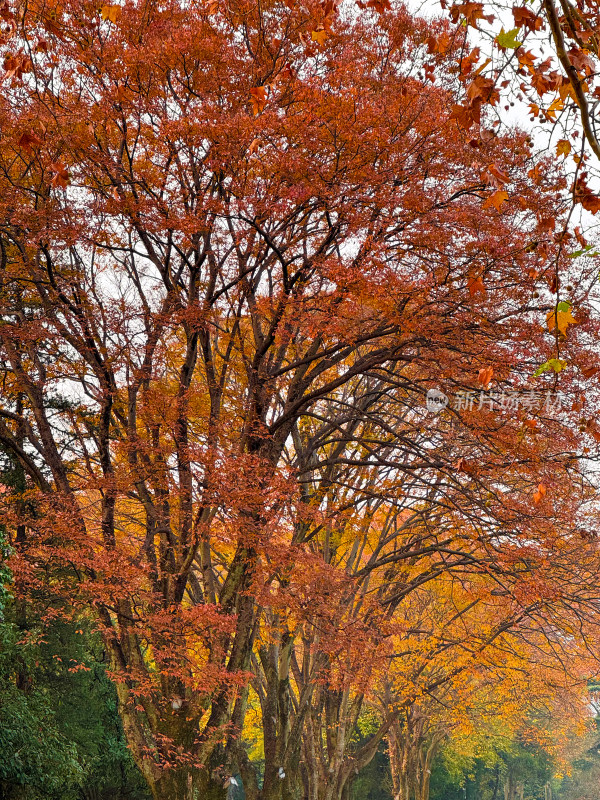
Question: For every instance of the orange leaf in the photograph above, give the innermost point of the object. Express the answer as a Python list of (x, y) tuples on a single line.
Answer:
[(526, 59), (555, 105), (259, 98), (496, 199), (462, 465), (475, 285), (111, 12), (16, 65), (494, 176), (540, 494), (563, 148), (319, 36), (484, 376), (535, 173), (439, 44), (560, 319), (483, 89), (566, 90), (466, 115)]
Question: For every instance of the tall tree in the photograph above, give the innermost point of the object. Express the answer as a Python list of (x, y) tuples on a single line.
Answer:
[(239, 243)]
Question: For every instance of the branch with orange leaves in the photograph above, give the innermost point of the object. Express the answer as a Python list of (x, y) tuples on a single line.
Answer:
[(573, 76)]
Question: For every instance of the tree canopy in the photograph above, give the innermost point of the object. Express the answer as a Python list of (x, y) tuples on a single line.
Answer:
[(298, 406)]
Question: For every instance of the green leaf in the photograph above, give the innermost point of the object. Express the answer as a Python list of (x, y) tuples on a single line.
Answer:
[(508, 39), (564, 305), (553, 364), (583, 252)]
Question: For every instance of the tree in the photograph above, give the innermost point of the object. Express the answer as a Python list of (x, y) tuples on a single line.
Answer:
[(60, 732), (558, 84), (451, 637), (238, 246), (469, 667)]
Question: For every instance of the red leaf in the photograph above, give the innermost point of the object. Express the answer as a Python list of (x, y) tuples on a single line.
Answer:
[(524, 17), (29, 142), (60, 175), (494, 176), (483, 89)]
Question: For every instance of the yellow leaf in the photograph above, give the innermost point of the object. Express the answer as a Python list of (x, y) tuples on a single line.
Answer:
[(566, 90), (560, 320), (319, 36), (563, 148), (496, 199), (111, 12), (556, 105)]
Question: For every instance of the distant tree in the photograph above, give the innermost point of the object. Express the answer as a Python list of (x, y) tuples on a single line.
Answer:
[(61, 736), (37, 760)]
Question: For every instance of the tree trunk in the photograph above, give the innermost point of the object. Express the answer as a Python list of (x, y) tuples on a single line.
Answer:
[(399, 773), (510, 786), (177, 734), (185, 785)]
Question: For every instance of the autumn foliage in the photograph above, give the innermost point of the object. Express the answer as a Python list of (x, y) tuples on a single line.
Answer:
[(239, 244)]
